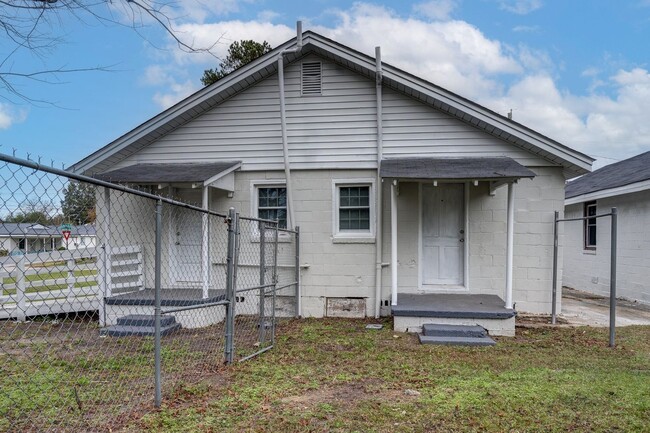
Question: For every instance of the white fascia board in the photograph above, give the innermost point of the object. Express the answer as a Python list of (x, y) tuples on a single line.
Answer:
[(605, 193), (222, 174)]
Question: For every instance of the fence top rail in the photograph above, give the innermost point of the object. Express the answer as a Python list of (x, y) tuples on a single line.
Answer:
[(83, 178), (585, 218), (280, 229), (261, 220)]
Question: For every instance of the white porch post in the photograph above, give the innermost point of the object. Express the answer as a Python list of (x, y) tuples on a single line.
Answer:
[(510, 242), (393, 242), (205, 243)]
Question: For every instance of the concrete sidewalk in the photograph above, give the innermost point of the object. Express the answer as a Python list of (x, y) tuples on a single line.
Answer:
[(583, 308)]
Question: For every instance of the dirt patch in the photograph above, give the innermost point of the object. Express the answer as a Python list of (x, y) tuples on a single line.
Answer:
[(529, 320), (348, 393)]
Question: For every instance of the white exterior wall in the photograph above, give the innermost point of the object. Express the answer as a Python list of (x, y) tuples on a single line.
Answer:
[(336, 270), (334, 135), (535, 202), (590, 270), (7, 244)]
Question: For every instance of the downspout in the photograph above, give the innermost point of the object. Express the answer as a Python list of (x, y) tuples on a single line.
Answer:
[(379, 204), (283, 123)]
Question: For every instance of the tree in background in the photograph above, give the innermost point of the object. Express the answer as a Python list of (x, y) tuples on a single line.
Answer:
[(79, 203), (34, 211), (240, 53)]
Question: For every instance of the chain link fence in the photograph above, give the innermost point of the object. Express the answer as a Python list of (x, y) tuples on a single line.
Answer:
[(114, 298)]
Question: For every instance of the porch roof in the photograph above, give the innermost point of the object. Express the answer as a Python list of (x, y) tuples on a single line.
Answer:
[(474, 168), (170, 172)]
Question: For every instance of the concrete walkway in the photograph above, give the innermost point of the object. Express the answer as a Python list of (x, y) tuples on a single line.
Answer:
[(582, 308)]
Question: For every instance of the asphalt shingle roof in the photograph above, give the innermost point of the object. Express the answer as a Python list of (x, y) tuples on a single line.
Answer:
[(626, 172), (167, 172), (454, 168), (39, 230)]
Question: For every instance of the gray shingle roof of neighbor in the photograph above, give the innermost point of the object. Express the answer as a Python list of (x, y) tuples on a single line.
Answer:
[(167, 172), (454, 168), (626, 172), (40, 230)]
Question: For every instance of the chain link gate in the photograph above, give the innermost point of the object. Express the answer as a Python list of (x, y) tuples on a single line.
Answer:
[(141, 297)]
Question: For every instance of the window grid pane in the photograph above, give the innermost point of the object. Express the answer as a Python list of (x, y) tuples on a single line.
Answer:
[(354, 208), (590, 209), (272, 205)]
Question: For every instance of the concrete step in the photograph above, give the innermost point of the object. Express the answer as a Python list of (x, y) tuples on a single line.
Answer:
[(457, 341), (440, 330), (145, 320)]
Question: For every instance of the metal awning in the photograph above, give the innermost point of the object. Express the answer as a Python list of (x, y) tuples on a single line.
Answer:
[(151, 173), (477, 168)]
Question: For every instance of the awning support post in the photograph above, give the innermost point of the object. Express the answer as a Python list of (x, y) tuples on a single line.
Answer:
[(205, 244), (393, 241), (510, 242)]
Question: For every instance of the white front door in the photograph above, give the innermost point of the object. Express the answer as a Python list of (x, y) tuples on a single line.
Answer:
[(186, 253), (443, 234)]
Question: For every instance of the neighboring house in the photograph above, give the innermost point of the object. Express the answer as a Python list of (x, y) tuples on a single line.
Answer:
[(423, 192), (624, 185), (20, 238)]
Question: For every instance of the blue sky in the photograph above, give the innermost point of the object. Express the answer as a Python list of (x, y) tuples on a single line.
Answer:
[(574, 70)]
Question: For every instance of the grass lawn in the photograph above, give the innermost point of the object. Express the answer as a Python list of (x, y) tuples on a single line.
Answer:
[(330, 375), (334, 375)]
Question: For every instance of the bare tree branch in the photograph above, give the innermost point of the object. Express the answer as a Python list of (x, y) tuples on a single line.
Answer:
[(37, 26)]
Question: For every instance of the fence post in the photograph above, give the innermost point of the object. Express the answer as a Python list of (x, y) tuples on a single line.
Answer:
[(555, 248), (157, 284), (275, 282), (298, 300), (262, 325), (230, 285), (612, 280), (21, 301)]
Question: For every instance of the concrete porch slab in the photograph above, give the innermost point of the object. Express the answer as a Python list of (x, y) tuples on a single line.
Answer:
[(415, 310), (452, 305)]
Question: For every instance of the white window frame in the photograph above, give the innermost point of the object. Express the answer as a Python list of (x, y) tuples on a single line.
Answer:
[(586, 225), (360, 236)]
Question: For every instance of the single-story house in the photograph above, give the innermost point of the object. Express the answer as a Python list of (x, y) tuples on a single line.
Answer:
[(21, 238), (624, 185), (404, 192)]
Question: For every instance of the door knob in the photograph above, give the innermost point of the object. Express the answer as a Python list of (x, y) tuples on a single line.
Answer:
[(462, 240)]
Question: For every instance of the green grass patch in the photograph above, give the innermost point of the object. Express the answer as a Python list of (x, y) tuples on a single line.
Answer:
[(331, 375)]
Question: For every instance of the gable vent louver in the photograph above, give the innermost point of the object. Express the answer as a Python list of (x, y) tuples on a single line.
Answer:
[(312, 78)]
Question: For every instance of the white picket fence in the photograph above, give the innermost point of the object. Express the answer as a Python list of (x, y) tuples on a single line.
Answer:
[(55, 282)]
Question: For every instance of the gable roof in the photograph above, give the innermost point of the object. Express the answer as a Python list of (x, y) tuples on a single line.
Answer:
[(574, 162), (629, 175)]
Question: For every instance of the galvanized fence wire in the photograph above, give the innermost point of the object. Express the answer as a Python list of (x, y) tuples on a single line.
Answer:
[(79, 264), (255, 255), (288, 273)]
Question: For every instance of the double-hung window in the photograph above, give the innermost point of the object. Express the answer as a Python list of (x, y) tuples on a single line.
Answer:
[(590, 210), (272, 204), (353, 210)]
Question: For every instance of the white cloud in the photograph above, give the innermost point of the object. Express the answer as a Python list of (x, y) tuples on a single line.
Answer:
[(458, 56), (10, 116), (525, 29), (174, 89), (520, 7), (436, 9)]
